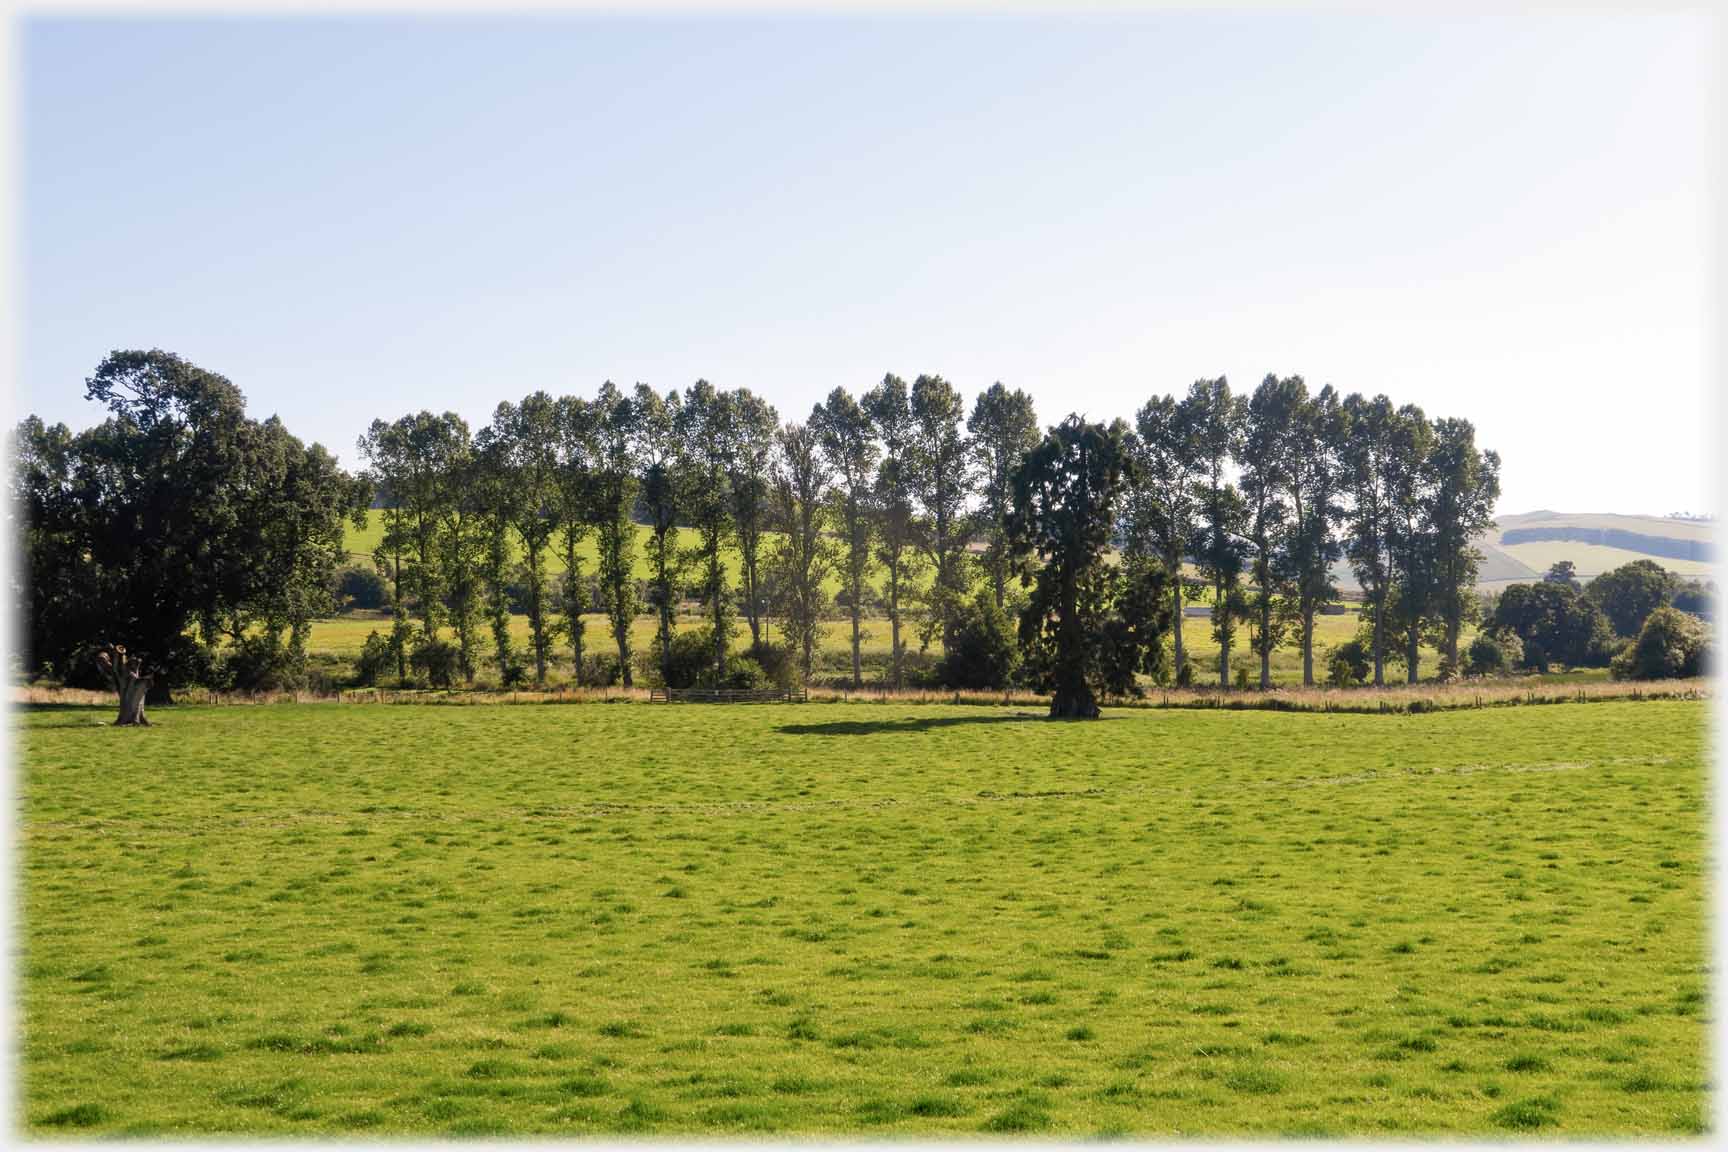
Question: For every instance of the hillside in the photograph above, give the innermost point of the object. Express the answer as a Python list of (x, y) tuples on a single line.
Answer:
[(1522, 547)]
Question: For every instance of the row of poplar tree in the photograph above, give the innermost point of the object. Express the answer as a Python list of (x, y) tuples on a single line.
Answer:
[(1245, 501)]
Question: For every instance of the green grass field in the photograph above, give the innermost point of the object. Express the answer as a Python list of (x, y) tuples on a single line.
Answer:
[(870, 919)]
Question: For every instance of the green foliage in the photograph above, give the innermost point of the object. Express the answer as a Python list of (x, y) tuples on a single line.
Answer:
[(375, 660), (1003, 428), (437, 662), (981, 651), (1494, 654), (261, 663), (1555, 624), (1066, 496), (1348, 663), (1671, 644), (175, 522), (1630, 593), (358, 586)]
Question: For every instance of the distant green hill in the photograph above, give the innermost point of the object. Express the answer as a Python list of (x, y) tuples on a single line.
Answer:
[(1521, 548)]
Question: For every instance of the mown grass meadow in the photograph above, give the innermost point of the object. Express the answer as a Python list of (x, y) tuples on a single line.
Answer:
[(869, 919)]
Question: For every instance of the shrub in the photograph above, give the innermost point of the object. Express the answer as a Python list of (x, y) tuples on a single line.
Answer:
[(1671, 644), (359, 586), (375, 660), (262, 664), (691, 654), (982, 652), (1347, 664), (742, 672), (439, 662), (601, 669), (1493, 654), (776, 662)]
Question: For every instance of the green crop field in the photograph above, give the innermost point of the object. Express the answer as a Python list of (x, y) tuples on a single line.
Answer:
[(871, 919)]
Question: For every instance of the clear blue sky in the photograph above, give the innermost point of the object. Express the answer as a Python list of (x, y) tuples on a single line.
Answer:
[(1504, 218)]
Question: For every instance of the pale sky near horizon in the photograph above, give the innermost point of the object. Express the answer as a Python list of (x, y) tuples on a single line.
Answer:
[(1506, 218)]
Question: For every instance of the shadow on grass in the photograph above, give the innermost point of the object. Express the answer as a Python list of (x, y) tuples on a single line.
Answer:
[(910, 724)]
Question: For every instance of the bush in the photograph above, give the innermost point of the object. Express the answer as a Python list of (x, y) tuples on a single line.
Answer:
[(691, 655), (1671, 644), (742, 672), (375, 660), (438, 662), (262, 664), (1493, 654), (1348, 664), (983, 652), (601, 669), (359, 586), (776, 662)]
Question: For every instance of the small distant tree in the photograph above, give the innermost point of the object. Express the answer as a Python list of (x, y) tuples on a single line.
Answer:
[(1494, 654), (1671, 645), (1555, 624), (1563, 572), (1066, 497)]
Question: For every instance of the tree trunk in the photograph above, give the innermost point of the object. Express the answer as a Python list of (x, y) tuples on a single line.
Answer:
[(1176, 618), (1308, 645), (1411, 656), (131, 683), (1379, 641), (857, 641)]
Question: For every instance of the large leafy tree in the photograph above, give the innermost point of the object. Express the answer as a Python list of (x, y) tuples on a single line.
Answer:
[(175, 522), (1162, 509), (1463, 485), (1066, 497), (750, 478), (1628, 594), (1556, 624), (890, 409), (848, 445), (1003, 427), (1215, 425), (939, 462), (803, 556), (615, 487)]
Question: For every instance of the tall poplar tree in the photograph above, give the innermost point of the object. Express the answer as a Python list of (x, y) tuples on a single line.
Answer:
[(848, 444), (1003, 428)]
